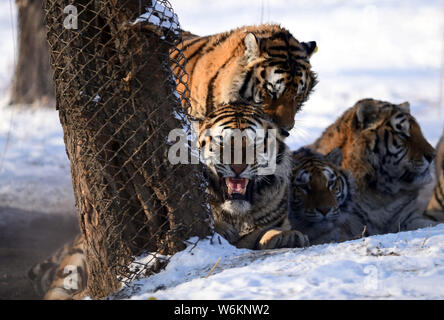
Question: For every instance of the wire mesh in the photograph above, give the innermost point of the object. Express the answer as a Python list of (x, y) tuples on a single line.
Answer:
[(117, 100)]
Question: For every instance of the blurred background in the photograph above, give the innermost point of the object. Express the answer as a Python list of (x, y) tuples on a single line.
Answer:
[(386, 49)]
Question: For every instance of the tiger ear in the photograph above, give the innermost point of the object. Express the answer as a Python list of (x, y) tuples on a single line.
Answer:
[(366, 113), (310, 47), (335, 156), (405, 106), (251, 47)]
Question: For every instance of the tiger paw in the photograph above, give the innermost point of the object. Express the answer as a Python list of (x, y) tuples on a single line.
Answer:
[(274, 239), (227, 231)]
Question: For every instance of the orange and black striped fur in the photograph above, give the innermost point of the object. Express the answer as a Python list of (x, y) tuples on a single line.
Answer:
[(321, 198), (435, 208), (64, 275), (248, 202), (390, 160), (262, 66)]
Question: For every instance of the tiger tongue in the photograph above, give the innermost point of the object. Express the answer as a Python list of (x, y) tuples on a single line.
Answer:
[(236, 185)]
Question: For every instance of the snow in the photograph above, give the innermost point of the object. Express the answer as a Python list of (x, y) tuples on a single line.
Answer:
[(159, 15), (407, 265), (389, 50), (35, 173)]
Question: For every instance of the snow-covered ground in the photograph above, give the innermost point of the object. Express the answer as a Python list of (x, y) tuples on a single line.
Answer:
[(389, 50), (407, 265), (35, 171)]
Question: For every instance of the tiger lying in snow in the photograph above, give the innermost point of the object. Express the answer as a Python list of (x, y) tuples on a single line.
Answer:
[(321, 198), (390, 160)]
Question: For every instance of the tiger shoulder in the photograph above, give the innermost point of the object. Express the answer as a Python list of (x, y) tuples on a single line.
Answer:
[(435, 207)]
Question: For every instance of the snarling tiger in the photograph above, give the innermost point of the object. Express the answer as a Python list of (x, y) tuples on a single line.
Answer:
[(64, 275), (248, 167), (390, 160), (321, 198), (435, 208), (263, 66)]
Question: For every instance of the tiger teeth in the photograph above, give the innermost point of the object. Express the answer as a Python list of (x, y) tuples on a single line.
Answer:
[(240, 185)]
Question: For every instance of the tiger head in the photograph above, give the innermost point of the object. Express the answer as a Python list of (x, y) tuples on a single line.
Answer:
[(320, 191), (390, 152), (278, 76), (247, 158)]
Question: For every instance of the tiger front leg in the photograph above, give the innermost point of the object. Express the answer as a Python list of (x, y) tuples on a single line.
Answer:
[(275, 238), (434, 215), (418, 222), (227, 231)]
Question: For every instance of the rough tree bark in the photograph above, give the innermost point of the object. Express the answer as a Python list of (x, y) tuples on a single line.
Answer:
[(32, 81), (115, 96)]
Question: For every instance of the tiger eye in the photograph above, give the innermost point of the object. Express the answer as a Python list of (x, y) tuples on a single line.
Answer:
[(263, 74)]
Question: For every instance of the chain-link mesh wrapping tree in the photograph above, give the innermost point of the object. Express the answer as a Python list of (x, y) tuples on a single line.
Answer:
[(117, 103)]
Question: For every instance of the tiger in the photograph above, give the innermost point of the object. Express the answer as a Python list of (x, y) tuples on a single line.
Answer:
[(390, 160), (321, 197), (262, 66), (435, 207), (249, 204), (249, 209), (64, 275)]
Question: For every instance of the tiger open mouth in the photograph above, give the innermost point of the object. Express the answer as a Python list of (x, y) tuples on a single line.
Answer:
[(237, 189), (236, 185)]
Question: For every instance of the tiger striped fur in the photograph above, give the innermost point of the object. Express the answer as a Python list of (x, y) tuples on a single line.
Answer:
[(390, 160), (263, 66), (321, 198), (64, 275), (435, 208), (250, 210)]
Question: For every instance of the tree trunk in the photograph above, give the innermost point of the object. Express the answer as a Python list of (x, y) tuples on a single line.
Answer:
[(116, 98), (32, 81)]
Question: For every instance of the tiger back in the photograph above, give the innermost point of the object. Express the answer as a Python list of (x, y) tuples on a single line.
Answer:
[(321, 198), (390, 160), (263, 66), (435, 207), (248, 202), (64, 275)]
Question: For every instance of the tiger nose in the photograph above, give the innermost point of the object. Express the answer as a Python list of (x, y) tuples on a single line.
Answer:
[(429, 156), (324, 211), (274, 93), (238, 168)]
